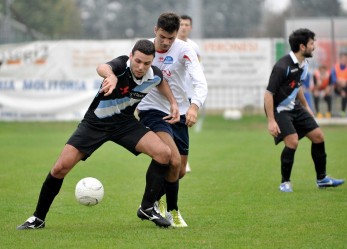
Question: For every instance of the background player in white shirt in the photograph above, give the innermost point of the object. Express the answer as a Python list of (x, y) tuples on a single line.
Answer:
[(186, 25), (175, 58)]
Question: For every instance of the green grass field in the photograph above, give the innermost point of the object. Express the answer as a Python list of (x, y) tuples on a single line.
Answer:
[(229, 200)]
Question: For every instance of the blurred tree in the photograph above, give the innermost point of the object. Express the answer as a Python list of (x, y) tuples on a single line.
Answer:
[(127, 19), (108, 19), (273, 23), (308, 8), (231, 18), (118, 19), (56, 19)]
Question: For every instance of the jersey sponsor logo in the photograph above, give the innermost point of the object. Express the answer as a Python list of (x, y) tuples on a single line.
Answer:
[(166, 72), (186, 57), (294, 70), (168, 60), (137, 95), (292, 84), (124, 90)]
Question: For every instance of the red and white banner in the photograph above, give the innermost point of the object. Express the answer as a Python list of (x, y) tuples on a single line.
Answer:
[(237, 71), (57, 80)]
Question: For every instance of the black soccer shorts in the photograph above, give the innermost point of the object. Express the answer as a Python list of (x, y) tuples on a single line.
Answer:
[(87, 138), (297, 121)]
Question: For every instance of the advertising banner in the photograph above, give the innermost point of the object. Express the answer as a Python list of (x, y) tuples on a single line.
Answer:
[(52, 80), (57, 80), (237, 71)]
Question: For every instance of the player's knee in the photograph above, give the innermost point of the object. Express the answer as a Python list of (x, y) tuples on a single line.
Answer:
[(175, 167), (167, 154), (60, 170), (163, 155), (318, 138), (291, 142), (182, 172)]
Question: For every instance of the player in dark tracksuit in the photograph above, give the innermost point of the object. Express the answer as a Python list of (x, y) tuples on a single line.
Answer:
[(110, 117), (289, 115)]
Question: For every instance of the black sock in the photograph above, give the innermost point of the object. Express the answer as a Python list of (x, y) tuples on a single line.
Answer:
[(320, 159), (328, 99), (162, 192), (316, 103), (155, 178), (49, 190), (172, 195), (343, 103), (287, 160)]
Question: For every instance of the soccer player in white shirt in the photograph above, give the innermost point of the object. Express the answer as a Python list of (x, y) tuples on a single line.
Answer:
[(186, 25), (175, 58), (184, 31)]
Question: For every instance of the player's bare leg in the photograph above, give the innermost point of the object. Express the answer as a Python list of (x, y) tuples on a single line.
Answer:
[(68, 158)]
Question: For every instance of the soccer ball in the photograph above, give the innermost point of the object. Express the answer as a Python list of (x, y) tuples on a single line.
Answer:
[(232, 114), (89, 191)]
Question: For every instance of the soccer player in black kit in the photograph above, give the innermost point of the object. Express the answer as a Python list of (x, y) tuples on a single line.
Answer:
[(288, 113), (110, 117)]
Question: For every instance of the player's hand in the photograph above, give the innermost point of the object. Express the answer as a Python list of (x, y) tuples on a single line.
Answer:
[(192, 115), (273, 128), (174, 116), (108, 85)]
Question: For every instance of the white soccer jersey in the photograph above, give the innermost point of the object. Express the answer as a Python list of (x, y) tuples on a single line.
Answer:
[(174, 64), (188, 79), (194, 46)]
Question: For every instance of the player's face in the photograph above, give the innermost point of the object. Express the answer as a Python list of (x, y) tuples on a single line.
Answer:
[(309, 49), (185, 28), (163, 40), (140, 63)]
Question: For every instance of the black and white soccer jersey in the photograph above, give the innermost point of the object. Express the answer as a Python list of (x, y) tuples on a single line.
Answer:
[(285, 81), (127, 95)]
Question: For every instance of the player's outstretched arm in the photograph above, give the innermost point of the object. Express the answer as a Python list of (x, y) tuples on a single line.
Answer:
[(110, 79)]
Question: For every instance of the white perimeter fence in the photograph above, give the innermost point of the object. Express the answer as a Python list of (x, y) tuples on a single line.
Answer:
[(56, 80)]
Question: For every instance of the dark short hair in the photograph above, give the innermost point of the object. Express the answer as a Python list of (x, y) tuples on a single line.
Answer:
[(169, 22), (144, 46), (186, 17), (300, 36)]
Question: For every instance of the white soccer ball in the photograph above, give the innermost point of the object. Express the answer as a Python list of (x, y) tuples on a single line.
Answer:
[(232, 114), (89, 191)]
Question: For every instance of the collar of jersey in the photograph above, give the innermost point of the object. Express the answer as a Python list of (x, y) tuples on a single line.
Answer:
[(146, 77), (295, 60)]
